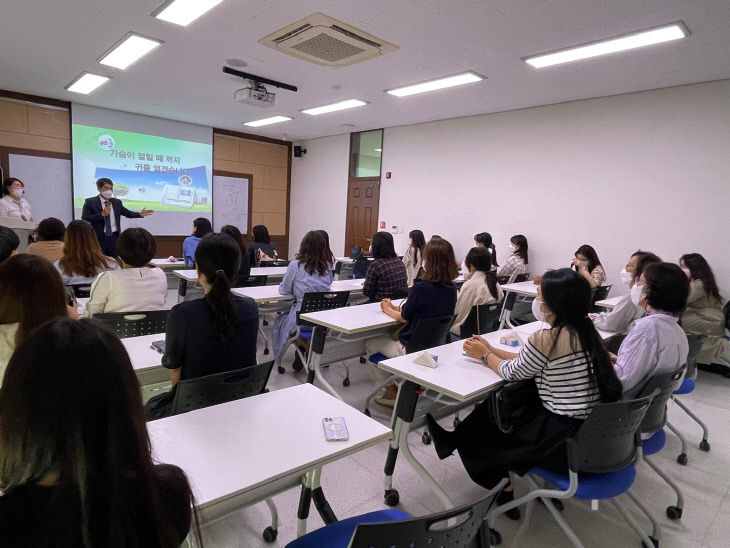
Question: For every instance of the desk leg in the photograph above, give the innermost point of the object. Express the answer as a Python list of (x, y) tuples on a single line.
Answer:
[(316, 349), (311, 489), (182, 288)]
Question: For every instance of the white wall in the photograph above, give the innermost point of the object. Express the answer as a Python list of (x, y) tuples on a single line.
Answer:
[(647, 170), (319, 192)]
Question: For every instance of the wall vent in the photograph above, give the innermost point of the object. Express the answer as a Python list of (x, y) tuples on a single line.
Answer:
[(326, 41)]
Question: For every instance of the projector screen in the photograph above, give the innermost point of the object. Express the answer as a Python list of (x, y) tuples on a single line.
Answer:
[(154, 164)]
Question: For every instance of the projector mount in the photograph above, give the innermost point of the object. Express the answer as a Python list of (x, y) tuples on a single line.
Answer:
[(258, 79)]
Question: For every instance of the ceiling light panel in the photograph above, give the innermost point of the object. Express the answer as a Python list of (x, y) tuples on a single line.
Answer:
[(635, 40), (267, 121), (184, 12), (342, 105), (440, 83), (86, 83), (129, 50)]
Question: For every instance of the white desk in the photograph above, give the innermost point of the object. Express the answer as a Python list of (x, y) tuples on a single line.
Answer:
[(166, 264), (527, 289), (146, 361), (270, 293), (609, 303), (191, 275), (529, 328), (239, 453)]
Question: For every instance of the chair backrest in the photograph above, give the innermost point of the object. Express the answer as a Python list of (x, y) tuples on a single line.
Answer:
[(598, 294), (503, 279), (81, 291), (521, 277), (360, 267), (323, 300), (664, 384), (449, 529), (355, 251), (134, 324), (482, 318), (429, 332), (609, 438), (695, 344), (251, 281), (192, 394)]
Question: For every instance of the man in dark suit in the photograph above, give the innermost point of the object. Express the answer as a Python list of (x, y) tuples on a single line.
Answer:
[(104, 214)]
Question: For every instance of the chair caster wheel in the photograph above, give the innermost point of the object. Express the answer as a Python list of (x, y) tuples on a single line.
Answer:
[(682, 459), (426, 438), (495, 539), (266, 351), (270, 534), (654, 542), (392, 497), (674, 513), (280, 370), (346, 382), (363, 359), (265, 322), (456, 422), (367, 412), (704, 445)]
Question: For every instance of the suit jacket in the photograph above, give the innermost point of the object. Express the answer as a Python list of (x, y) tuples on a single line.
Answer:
[(92, 213)]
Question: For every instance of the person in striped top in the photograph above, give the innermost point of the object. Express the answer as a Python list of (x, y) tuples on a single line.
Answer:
[(572, 371)]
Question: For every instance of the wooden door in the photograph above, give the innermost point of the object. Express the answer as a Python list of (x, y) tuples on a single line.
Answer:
[(363, 199)]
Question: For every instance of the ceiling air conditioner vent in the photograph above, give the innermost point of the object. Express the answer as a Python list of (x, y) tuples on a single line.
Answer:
[(326, 41)]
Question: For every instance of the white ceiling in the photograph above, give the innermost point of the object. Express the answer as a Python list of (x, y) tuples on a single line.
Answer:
[(45, 44)]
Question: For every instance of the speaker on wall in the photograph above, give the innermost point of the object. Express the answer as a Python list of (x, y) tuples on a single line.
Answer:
[(299, 151)]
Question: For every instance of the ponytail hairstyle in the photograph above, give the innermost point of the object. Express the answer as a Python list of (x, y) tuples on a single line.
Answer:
[(481, 260), (485, 238), (568, 296), (521, 242), (218, 256), (418, 242)]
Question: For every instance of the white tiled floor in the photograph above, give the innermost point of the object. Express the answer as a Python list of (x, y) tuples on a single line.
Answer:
[(354, 485)]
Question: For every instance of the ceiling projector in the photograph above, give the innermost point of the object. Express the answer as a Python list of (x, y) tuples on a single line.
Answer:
[(255, 95)]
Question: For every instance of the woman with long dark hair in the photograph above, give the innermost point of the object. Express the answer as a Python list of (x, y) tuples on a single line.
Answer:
[(572, 371), (310, 271), (704, 313), (586, 264), (210, 335), (484, 239), (480, 288), (386, 275), (517, 261), (413, 259), (261, 248), (201, 227), (244, 271), (75, 462), (82, 259)]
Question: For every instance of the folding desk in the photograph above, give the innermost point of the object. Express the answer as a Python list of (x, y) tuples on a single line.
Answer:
[(610, 303), (239, 453), (146, 361), (191, 275)]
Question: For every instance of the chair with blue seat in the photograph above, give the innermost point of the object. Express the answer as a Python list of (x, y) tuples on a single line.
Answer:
[(663, 386), (312, 302), (390, 528), (687, 386), (601, 465)]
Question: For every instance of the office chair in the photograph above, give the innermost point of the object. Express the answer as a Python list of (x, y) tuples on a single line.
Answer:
[(482, 318), (598, 294), (134, 324)]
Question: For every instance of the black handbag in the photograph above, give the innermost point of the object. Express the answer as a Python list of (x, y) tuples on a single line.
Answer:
[(514, 404)]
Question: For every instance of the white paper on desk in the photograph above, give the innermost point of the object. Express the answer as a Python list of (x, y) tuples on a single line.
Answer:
[(424, 358)]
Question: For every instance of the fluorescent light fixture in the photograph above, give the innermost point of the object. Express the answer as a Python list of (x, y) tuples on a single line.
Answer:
[(342, 105), (378, 149), (131, 48), (675, 31), (86, 83), (267, 121), (432, 85), (184, 12)]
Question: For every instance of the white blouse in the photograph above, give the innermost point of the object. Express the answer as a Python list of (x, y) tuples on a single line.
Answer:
[(17, 210), (128, 290)]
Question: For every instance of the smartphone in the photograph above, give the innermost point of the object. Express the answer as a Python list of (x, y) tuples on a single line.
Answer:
[(159, 346), (335, 429)]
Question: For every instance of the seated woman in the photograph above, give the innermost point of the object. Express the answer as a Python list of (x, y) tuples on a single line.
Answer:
[(201, 227), (572, 371), (386, 276), (484, 239), (31, 293), (210, 335), (75, 462), (413, 259), (244, 271), (137, 286), (309, 272), (480, 288), (49, 244), (586, 263), (431, 297), (704, 314), (656, 343), (82, 259), (261, 248), (627, 309), (517, 261)]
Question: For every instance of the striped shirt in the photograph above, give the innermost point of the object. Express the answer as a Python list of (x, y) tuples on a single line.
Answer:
[(515, 264), (561, 374)]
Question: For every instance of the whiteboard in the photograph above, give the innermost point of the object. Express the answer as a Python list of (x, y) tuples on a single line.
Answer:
[(47, 185), (230, 202)]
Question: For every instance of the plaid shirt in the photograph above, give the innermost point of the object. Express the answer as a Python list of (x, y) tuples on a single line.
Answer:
[(384, 277), (514, 264)]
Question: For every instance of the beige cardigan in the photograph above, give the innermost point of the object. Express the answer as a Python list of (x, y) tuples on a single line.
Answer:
[(7, 345), (474, 291)]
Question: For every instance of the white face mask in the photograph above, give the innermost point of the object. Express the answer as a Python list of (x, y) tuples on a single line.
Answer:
[(513, 247), (537, 310), (107, 194), (625, 277), (17, 192), (686, 272), (637, 293)]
